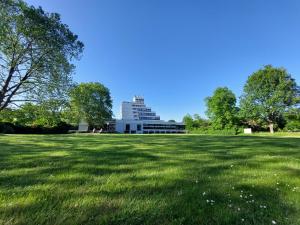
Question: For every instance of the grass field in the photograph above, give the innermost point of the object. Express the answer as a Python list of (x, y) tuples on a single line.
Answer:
[(145, 179)]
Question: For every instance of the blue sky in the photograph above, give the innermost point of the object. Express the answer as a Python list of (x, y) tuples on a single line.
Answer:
[(175, 53)]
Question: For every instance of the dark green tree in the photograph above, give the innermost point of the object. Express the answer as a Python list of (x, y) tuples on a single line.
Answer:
[(188, 121), (292, 119), (221, 108), (91, 102), (36, 50), (268, 93)]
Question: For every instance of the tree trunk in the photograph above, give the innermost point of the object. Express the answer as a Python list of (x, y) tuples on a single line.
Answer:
[(271, 126)]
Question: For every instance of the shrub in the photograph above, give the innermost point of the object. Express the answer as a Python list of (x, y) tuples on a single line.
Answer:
[(293, 126), (9, 128)]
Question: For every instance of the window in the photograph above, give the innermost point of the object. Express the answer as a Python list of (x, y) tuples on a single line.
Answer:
[(127, 128), (139, 127)]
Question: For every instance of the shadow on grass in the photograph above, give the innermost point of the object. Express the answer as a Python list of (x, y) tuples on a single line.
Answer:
[(144, 180)]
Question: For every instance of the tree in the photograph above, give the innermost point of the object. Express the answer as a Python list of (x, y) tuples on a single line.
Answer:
[(36, 50), (196, 122), (46, 114), (200, 122), (188, 121), (292, 118), (221, 108), (268, 93), (92, 103)]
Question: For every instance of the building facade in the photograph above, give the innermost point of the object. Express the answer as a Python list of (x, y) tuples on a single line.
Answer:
[(137, 118)]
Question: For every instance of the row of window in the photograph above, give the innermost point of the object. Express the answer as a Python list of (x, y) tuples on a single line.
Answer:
[(138, 105), (147, 114), (142, 109), (138, 127), (164, 128), (149, 118), (162, 132), (156, 127)]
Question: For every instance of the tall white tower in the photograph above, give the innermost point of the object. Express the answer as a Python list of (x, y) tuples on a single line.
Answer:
[(137, 110)]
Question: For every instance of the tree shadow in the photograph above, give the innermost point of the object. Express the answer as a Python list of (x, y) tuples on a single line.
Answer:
[(144, 180)]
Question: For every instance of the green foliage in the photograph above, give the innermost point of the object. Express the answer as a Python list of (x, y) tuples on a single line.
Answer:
[(91, 102), (221, 109), (292, 118), (7, 115), (46, 114), (268, 93), (188, 121), (11, 128), (196, 122), (36, 50)]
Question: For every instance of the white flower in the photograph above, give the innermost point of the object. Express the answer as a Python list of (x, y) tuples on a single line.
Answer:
[(243, 220), (203, 193), (238, 209), (273, 222)]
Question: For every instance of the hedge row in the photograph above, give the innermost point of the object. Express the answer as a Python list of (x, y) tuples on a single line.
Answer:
[(10, 128)]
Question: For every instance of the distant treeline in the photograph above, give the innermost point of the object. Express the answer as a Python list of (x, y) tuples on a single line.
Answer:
[(270, 101)]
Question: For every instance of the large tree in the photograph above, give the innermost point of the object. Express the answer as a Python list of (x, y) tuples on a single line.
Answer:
[(221, 108), (36, 51), (91, 102), (268, 93)]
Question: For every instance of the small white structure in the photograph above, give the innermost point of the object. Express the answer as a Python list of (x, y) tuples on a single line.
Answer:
[(83, 126), (137, 118), (247, 131)]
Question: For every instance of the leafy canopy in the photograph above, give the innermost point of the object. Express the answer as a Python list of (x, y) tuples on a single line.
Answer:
[(91, 102), (268, 93), (195, 122), (36, 51), (47, 114), (221, 108)]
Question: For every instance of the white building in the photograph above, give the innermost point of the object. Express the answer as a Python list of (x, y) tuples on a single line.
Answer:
[(137, 118)]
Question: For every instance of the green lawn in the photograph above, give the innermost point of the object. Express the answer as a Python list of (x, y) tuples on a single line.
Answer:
[(149, 179)]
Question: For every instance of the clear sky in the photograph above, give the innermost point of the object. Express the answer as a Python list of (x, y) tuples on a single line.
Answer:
[(176, 52)]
